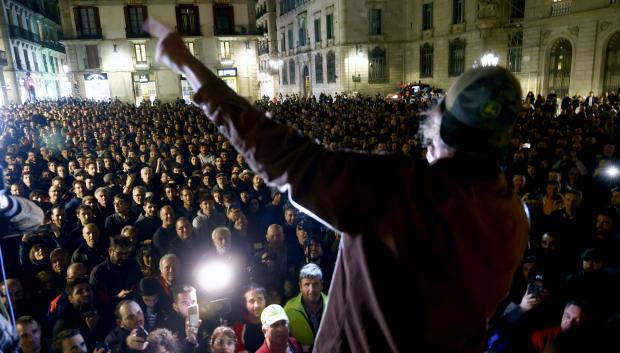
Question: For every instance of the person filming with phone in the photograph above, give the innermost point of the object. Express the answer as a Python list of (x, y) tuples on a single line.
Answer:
[(129, 335), (184, 320)]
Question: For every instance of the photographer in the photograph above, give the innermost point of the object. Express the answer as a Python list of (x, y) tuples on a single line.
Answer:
[(129, 335), (510, 331), (191, 335), (83, 314)]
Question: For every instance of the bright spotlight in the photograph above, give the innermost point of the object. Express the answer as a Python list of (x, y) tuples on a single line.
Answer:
[(612, 171), (214, 276)]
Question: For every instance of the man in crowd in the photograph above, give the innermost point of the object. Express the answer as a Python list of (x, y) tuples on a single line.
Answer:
[(118, 274), (29, 333), (124, 338), (70, 341), (249, 329), (306, 309), (275, 328)]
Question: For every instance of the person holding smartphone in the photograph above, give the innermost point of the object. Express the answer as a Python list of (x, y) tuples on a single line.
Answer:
[(129, 336), (184, 321)]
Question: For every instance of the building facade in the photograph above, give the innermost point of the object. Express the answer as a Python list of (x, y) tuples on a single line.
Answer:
[(31, 57), (110, 56), (341, 45), (568, 46), (268, 62)]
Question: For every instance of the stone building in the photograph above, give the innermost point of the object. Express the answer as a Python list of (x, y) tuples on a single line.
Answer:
[(31, 57), (110, 56), (569, 46)]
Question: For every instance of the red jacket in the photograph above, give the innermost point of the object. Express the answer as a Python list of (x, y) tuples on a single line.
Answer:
[(292, 343), (542, 338)]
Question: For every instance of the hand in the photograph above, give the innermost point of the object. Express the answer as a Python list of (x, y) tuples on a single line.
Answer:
[(136, 342), (130, 179), (101, 350), (91, 322), (529, 302), (170, 50), (191, 332), (123, 293)]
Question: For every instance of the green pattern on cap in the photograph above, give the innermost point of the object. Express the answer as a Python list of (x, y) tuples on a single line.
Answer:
[(490, 110)]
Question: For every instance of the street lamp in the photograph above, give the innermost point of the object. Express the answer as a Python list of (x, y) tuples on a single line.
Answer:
[(489, 59)]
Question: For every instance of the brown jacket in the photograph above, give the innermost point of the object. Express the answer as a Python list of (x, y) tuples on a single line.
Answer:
[(428, 252)]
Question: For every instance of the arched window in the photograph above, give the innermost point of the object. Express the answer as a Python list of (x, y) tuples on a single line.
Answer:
[(612, 65), (559, 67), (331, 67), (426, 60), (318, 68), (456, 61), (377, 67), (291, 71)]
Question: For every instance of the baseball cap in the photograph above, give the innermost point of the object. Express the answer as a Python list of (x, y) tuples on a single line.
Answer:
[(480, 110), (272, 314)]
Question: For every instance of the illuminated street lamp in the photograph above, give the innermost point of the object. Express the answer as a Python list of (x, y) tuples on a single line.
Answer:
[(489, 59)]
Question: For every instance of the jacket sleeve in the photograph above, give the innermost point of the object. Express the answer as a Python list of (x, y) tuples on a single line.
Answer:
[(345, 189), (22, 216)]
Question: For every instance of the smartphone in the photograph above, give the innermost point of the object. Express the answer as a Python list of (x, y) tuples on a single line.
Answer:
[(526, 145), (142, 332), (192, 314), (535, 290)]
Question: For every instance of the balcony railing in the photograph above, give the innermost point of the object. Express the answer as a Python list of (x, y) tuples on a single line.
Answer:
[(3, 61), (18, 32), (90, 35), (50, 44), (136, 34), (561, 8), (193, 32), (263, 49)]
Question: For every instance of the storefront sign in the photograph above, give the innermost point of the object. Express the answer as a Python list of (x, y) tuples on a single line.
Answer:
[(232, 72)]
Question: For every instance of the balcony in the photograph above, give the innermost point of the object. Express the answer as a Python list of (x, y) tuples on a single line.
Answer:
[(31, 4), (18, 32), (561, 8), (3, 61), (89, 35), (237, 31), (189, 32), (54, 45)]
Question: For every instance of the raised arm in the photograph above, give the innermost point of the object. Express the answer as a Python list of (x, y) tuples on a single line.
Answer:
[(345, 189)]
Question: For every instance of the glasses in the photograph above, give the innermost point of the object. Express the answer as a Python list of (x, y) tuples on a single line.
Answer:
[(223, 342)]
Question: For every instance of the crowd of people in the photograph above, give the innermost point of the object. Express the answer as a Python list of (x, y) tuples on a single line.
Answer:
[(137, 199)]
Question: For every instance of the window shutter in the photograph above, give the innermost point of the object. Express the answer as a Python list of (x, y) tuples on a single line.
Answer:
[(76, 17)]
